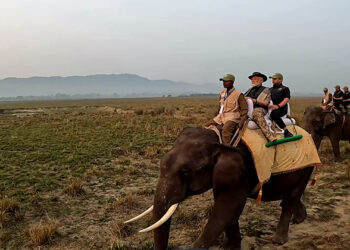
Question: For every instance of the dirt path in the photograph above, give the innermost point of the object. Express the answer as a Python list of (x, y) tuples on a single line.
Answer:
[(312, 234)]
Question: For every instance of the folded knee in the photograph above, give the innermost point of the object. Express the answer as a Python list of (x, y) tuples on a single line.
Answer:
[(257, 115), (274, 115)]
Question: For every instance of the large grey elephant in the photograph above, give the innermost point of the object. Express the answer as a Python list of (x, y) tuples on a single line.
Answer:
[(320, 123), (197, 163)]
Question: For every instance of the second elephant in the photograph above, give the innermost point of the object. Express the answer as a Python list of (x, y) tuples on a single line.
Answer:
[(320, 124)]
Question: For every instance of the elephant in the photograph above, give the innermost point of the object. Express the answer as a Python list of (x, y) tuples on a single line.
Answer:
[(198, 162), (320, 123)]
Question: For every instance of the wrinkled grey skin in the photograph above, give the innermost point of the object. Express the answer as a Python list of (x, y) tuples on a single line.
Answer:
[(320, 123), (197, 163)]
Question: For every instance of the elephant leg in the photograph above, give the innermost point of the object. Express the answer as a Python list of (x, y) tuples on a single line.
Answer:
[(281, 235), (229, 204), (233, 237), (291, 204), (336, 149), (299, 213), (317, 139)]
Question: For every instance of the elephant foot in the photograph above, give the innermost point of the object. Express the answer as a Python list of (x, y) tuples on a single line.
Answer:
[(299, 218), (229, 244), (337, 159), (191, 248), (280, 240), (199, 245), (299, 215)]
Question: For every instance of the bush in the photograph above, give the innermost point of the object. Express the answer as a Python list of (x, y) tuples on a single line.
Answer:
[(74, 188), (42, 232), (139, 112), (8, 207)]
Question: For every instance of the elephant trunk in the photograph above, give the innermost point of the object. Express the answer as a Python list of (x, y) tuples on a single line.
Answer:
[(315, 136), (308, 127), (161, 234), (161, 206)]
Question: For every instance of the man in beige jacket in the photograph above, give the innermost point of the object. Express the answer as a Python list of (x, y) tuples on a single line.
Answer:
[(233, 109), (327, 98)]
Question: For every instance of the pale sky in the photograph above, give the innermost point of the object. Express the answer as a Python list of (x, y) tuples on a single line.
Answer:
[(196, 41)]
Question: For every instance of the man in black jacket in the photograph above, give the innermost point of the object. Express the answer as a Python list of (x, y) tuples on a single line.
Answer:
[(346, 99), (337, 98), (280, 96)]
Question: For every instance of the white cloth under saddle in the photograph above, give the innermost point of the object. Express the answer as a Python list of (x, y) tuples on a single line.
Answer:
[(252, 125)]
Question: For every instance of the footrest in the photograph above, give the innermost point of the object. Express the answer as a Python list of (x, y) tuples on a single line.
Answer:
[(283, 140)]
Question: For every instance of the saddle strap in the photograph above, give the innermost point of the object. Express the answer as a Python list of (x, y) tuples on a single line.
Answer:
[(234, 142), (212, 127)]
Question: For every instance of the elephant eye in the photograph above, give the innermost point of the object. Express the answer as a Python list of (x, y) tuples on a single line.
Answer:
[(185, 171)]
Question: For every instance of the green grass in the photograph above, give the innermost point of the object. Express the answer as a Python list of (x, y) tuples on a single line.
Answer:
[(115, 156), (40, 153)]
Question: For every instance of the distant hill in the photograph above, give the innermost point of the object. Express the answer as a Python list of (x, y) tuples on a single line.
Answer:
[(118, 85)]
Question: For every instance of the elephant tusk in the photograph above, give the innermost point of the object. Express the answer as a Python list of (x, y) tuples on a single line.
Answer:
[(140, 216), (165, 217)]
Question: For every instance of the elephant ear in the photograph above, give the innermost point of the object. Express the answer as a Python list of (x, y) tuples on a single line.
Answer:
[(228, 168), (328, 119)]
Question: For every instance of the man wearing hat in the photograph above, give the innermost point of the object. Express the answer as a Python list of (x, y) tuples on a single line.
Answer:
[(259, 96), (326, 100), (280, 96), (337, 97), (233, 109), (346, 99)]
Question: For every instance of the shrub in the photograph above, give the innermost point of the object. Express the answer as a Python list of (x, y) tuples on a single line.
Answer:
[(42, 232), (74, 188), (8, 208)]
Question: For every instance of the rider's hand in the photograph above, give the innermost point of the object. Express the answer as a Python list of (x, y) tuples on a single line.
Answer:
[(273, 107)]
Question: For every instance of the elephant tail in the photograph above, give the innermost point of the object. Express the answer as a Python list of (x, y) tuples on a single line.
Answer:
[(258, 198)]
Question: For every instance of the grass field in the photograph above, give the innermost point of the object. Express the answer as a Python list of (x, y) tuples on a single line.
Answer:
[(72, 171)]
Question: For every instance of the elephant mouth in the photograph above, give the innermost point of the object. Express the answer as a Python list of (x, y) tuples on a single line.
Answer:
[(157, 224)]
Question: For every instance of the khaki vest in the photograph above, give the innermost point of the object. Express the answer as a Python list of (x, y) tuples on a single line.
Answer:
[(326, 102), (326, 98), (230, 110)]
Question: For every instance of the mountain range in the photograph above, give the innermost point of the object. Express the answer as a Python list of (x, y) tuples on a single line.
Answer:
[(103, 86), (120, 85)]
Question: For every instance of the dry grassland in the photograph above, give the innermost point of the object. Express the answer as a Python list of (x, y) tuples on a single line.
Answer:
[(72, 171)]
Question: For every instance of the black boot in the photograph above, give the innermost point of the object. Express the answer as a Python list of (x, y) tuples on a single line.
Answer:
[(287, 133)]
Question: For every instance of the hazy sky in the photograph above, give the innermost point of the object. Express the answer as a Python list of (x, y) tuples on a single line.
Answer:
[(185, 40)]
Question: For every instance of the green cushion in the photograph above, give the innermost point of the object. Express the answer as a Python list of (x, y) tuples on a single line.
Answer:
[(283, 140)]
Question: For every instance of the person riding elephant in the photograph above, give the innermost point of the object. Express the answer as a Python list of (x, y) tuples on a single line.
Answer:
[(320, 123), (327, 98), (337, 97), (197, 163), (233, 109), (259, 97), (280, 96), (346, 99)]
